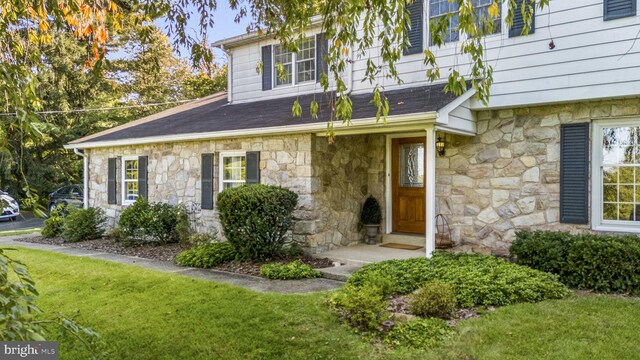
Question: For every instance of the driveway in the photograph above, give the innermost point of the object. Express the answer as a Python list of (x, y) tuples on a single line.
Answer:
[(25, 220)]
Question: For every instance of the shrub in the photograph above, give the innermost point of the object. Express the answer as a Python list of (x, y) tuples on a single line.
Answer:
[(288, 271), (203, 238), (207, 255), (434, 299), (476, 279), (256, 218), (371, 213), (158, 222), (603, 263), (362, 307), (419, 334), (53, 225), (84, 224)]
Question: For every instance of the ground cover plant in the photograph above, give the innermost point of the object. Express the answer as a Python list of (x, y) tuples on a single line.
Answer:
[(232, 323), (207, 255), (288, 271), (476, 279), (605, 263)]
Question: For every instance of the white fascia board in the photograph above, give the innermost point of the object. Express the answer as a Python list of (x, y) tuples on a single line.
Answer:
[(443, 113), (360, 126)]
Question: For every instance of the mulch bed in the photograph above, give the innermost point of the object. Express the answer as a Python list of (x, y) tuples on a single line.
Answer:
[(148, 251), (399, 305), (168, 252)]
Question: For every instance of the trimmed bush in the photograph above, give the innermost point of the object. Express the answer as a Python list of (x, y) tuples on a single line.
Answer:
[(476, 279), (434, 299), (362, 307), (419, 334), (84, 224), (53, 225), (207, 255), (158, 222), (256, 218), (604, 263), (288, 271)]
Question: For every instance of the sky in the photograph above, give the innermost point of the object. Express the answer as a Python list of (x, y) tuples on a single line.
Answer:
[(224, 27)]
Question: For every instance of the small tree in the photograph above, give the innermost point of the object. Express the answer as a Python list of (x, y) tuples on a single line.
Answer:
[(256, 218)]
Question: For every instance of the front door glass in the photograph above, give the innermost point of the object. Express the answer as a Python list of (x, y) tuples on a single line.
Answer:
[(412, 165)]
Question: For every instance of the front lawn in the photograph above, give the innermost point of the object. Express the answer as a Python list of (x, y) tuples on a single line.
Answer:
[(144, 314)]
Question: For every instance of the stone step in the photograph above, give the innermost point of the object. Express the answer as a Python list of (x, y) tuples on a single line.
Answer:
[(409, 239), (339, 273)]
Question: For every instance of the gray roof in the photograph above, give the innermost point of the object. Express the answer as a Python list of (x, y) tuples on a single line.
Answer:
[(214, 113)]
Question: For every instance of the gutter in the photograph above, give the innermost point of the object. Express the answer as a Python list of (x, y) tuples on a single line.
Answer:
[(85, 176), (395, 123)]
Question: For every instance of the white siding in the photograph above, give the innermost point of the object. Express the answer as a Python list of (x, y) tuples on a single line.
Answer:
[(589, 61)]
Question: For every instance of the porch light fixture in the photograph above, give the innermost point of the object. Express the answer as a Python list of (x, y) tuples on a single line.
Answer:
[(440, 146)]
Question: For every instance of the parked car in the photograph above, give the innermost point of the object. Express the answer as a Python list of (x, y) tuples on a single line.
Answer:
[(10, 207), (70, 195)]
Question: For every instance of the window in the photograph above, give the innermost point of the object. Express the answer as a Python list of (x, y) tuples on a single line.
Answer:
[(232, 170), (482, 11), (437, 10), (304, 60), (129, 180), (616, 174), (282, 57)]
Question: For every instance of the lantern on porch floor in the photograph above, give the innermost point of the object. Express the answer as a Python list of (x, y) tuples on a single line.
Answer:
[(443, 233)]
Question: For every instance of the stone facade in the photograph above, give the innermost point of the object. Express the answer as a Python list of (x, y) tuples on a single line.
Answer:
[(332, 181), (507, 177)]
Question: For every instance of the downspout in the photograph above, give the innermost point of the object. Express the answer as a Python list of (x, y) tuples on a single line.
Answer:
[(85, 176)]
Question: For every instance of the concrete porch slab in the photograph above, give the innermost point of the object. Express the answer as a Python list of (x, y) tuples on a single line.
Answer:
[(339, 273), (362, 254)]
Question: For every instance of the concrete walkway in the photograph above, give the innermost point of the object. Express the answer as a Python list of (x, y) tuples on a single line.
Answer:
[(246, 281)]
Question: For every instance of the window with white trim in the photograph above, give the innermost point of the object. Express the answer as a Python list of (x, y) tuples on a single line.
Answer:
[(440, 8), (232, 170), (304, 60), (616, 180), (129, 179)]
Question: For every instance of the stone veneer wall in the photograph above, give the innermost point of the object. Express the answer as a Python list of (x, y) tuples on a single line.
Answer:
[(349, 170), (174, 172), (332, 181), (507, 177)]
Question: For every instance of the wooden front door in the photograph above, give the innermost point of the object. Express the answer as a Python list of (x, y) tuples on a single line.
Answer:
[(408, 185)]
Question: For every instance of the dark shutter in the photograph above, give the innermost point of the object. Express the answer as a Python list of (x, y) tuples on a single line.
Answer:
[(322, 49), (518, 20), (266, 68), (253, 167), (143, 184), (414, 32), (615, 9), (111, 182), (207, 182), (574, 173)]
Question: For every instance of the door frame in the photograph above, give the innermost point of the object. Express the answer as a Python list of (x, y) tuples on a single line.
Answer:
[(388, 178)]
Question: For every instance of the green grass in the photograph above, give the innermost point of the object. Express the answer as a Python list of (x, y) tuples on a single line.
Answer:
[(144, 314), (20, 232)]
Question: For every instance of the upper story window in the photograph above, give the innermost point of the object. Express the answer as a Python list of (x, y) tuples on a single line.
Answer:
[(440, 8), (283, 59), (437, 10), (304, 60), (129, 180), (482, 11), (616, 176)]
